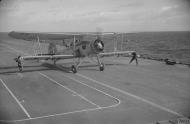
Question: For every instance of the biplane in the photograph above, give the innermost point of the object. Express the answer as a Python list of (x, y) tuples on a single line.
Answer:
[(80, 48)]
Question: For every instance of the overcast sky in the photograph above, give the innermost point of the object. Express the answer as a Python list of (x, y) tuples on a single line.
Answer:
[(88, 15)]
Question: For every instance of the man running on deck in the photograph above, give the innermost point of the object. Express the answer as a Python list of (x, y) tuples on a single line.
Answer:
[(134, 57)]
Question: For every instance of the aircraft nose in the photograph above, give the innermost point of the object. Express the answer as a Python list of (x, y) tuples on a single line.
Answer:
[(101, 46), (98, 45)]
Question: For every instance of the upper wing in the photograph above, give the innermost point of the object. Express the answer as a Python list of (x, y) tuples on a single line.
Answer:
[(43, 36), (116, 53), (46, 57), (52, 36)]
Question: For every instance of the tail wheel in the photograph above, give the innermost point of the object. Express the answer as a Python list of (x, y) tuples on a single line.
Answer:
[(102, 67), (74, 69)]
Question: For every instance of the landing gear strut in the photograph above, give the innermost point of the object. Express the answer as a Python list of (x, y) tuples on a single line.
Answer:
[(101, 67), (20, 68), (76, 65), (73, 69), (54, 61)]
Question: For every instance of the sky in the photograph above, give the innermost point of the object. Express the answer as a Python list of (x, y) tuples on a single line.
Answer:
[(90, 15)]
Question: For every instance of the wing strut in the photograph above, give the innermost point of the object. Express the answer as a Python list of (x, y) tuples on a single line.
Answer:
[(37, 48), (74, 44), (115, 43)]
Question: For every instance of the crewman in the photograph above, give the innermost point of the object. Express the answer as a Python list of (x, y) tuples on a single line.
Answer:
[(169, 62), (19, 61), (134, 57)]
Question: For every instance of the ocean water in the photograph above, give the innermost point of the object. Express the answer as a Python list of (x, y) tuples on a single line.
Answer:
[(158, 45)]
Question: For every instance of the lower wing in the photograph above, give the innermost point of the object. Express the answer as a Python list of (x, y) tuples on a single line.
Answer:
[(46, 57), (116, 53)]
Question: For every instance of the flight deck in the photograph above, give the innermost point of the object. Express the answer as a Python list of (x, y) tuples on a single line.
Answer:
[(123, 93)]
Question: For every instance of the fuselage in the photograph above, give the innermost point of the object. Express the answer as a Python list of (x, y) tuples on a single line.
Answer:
[(87, 48)]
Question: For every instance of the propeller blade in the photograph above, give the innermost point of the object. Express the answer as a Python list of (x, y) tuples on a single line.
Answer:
[(99, 33)]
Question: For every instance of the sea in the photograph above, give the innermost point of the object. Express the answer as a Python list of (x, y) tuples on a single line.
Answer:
[(173, 45)]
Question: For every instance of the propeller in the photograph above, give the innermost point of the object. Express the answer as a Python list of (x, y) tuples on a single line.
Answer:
[(52, 49), (99, 33), (98, 44)]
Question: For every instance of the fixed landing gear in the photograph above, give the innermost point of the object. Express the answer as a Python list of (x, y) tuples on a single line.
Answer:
[(73, 69), (101, 67), (54, 61), (76, 65), (20, 68)]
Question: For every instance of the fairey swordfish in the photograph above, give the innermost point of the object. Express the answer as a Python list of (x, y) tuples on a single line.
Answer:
[(80, 48)]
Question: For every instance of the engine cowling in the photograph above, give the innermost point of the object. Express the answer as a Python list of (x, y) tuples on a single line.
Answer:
[(98, 46)]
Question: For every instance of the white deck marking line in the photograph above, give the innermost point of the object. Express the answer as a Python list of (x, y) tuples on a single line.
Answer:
[(134, 96), (52, 115), (21, 106), (73, 112), (67, 113), (84, 98), (81, 82)]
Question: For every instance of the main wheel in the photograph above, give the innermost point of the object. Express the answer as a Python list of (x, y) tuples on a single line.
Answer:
[(20, 69), (101, 67), (74, 69)]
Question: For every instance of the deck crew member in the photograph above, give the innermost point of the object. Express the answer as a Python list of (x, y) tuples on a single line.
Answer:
[(134, 57), (18, 60)]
